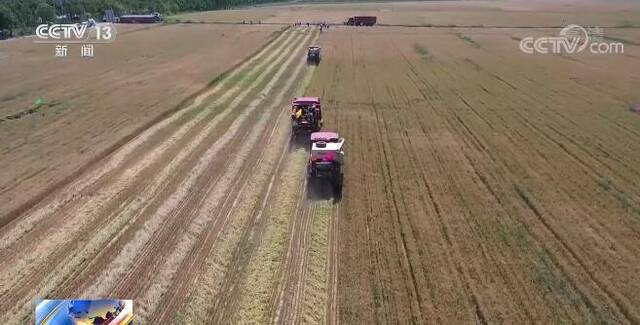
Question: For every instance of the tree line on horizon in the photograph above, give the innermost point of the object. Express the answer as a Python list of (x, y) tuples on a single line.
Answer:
[(25, 14)]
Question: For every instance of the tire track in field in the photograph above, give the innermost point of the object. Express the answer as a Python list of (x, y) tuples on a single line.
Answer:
[(606, 231), (470, 139), (333, 309), (316, 296), (453, 181), (78, 219), (60, 276), (396, 205), (293, 271), (586, 297), (373, 300), (465, 278), (478, 229), (303, 293), (602, 285), (575, 136), (253, 287), (590, 163), (559, 266), (572, 140), (418, 171)]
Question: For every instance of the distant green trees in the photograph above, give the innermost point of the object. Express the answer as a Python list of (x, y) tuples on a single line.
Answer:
[(25, 14), (45, 12)]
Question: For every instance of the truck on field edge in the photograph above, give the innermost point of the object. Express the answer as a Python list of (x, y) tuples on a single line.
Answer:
[(141, 19), (361, 21)]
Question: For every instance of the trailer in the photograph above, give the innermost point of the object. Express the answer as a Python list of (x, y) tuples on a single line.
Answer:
[(141, 19), (306, 115), (361, 21)]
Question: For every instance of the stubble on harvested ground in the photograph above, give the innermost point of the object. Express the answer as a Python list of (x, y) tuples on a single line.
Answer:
[(19, 230), (91, 106)]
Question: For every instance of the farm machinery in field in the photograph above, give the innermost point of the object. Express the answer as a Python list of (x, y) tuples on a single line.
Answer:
[(313, 54), (326, 160), (361, 21), (306, 115)]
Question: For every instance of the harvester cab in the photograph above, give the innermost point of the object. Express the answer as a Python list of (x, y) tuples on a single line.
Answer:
[(326, 160), (313, 54), (306, 115)]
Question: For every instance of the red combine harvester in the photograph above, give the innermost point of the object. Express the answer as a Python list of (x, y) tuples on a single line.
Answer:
[(326, 160), (306, 115)]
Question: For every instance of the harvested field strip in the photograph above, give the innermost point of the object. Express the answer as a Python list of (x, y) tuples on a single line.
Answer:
[(169, 205), (16, 229), (236, 232), (328, 85), (302, 294), (236, 222), (79, 218), (292, 275), (313, 303), (131, 172), (262, 277), (216, 196), (332, 303), (80, 258), (235, 284)]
